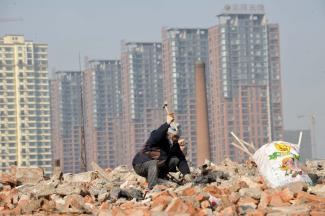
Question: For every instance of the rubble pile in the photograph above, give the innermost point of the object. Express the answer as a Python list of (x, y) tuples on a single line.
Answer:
[(228, 188)]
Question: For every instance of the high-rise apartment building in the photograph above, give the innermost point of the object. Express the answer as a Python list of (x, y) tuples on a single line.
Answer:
[(102, 112), (25, 137), (244, 63), (142, 94), (182, 47), (66, 119)]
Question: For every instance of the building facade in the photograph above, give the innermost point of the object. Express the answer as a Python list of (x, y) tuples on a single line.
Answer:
[(245, 79), (142, 94), (25, 137), (182, 47), (102, 112), (66, 121)]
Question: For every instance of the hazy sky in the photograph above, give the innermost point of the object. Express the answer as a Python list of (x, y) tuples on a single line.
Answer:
[(95, 28)]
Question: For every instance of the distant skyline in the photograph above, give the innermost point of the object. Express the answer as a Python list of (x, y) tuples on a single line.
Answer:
[(96, 28)]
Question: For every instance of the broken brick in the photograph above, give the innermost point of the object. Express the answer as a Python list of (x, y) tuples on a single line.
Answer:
[(256, 213), (74, 204), (246, 204), (162, 201), (6, 178), (310, 197), (286, 195), (213, 190), (205, 204), (264, 201), (189, 191), (199, 197), (229, 211), (276, 201), (176, 205)]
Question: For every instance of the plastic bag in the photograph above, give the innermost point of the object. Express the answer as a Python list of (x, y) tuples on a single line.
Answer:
[(278, 164)]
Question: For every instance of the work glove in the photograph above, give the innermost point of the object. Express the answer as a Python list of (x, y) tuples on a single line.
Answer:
[(188, 178), (170, 118)]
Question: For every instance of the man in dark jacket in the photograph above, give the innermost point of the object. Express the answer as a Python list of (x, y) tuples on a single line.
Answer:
[(161, 154)]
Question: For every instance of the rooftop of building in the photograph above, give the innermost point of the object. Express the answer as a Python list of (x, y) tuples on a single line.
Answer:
[(141, 43), (10, 39), (106, 61), (184, 28), (242, 9)]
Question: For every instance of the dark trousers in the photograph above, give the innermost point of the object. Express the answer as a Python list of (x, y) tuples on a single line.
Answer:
[(151, 171)]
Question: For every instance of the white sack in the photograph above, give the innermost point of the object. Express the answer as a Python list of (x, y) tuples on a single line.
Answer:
[(278, 164)]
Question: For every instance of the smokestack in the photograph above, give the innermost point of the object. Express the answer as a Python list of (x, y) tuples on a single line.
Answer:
[(202, 125)]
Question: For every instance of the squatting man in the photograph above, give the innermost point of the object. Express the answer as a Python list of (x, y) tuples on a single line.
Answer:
[(162, 154)]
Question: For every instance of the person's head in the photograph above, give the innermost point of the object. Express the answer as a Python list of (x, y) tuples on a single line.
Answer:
[(174, 132)]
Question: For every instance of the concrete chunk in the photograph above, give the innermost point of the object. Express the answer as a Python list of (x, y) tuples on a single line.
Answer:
[(29, 175), (68, 189), (80, 177)]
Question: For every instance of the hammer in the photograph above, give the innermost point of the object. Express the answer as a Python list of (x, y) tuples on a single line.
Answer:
[(165, 107)]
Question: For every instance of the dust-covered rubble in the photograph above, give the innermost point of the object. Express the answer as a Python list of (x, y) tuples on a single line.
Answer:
[(227, 188)]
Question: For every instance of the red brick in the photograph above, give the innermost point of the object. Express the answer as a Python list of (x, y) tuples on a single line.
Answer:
[(286, 195), (229, 211), (118, 211), (48, 206), (226, 191), (256, 213), (162, 201), (225, 202), (32, 206), (141, 210), (177, 205), (199, 197), (246, 204), (203, 212), (244, 200), (189, 191), (22, 202), (205, 204), (317, 205), (237, 186), (264, 201), (88, 199), (310, 197), (243, 184), (9, 197), (190, 208), (213, 190), (6, 178), (10, 212), (163, 193), (127, 205), (234, 197), (276, 201), (104, 206), (161, 187), (317, 213), (74, 202)]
